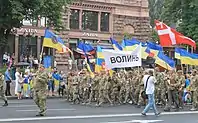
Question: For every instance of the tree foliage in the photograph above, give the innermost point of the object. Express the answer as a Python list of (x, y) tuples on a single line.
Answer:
[(12, 12), (181, 13)]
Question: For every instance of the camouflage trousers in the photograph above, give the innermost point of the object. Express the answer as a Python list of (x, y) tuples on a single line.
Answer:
[(195, 99), (40, 100), (2, 94), (115, 95)]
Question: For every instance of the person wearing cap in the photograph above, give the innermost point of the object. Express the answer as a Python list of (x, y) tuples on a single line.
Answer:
[(39, 86), (172, 89), (181, 85), (194, 89), (2, 94), (149, 85)]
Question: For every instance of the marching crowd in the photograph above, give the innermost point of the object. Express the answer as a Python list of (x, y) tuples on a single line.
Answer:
[(172, 89)]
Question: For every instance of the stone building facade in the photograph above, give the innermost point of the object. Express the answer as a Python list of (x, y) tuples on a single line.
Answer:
[(92, 21)]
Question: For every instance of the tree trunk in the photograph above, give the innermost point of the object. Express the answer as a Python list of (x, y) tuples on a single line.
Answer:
[(3, 43)]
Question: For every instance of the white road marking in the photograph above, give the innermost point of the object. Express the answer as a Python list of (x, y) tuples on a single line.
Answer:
[(138, 121), (20, 106), (90, 116), (47, 110)]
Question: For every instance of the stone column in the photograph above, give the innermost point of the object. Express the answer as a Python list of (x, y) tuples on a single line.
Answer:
[(39, 47), (99, 21), (80, 20), (68, 18), (111, 22), (16, 48)]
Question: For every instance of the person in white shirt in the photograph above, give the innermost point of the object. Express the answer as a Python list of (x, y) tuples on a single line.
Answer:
[(5, 58), (149, 87)]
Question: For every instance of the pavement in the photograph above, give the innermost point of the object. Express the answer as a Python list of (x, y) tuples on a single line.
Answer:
[(61, 111)]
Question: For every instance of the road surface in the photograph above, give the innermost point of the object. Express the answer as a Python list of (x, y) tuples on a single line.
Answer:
[(60, 111)]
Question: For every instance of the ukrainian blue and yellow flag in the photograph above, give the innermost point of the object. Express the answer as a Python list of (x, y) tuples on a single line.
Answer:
[(116, 45), (87, 48), (130, 45), (154, 48), (145, 50), (164, 61), (100, 62), (186, 57), (177, 53), (53, 41)]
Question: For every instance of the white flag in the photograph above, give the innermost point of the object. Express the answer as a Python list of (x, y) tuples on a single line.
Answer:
[(122, 59)]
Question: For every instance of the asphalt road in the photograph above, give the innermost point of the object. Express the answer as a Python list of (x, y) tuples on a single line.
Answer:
[(60, 111)]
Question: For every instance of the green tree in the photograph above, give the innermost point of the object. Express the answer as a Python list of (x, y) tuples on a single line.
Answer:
[(184, 14), (12, 12), (155, 10)]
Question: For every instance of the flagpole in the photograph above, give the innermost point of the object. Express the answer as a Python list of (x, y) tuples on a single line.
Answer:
[(187, 67), (41, 54), (192, 51)]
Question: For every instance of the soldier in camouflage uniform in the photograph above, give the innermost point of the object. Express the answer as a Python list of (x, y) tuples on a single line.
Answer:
[(40, 89), (122, 87), (75, 89), (141, 101), (85, 85), (2, 92), (106, 89), (160, 87), (181, 81), (136, 87), (100, 99), (194, 89), (128, 87), (69, 87), (172, 88), (115, 86), (94, 88)]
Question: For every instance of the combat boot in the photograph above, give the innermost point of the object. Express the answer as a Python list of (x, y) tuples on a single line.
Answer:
[(5, 104)]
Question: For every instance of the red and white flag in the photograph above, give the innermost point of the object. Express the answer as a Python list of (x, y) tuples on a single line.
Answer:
[(169, 36)]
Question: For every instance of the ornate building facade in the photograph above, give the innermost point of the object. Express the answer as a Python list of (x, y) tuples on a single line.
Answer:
[(86, 20)]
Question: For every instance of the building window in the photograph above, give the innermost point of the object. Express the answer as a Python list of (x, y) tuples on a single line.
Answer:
[(90, 20), (44, 22), (27, 47), (30, 22), (104, 22), (105, 41), (74, 19)]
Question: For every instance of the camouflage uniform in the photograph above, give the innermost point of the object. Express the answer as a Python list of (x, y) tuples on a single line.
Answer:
[(141, 101), (194, 89), (75, 89), (40, 87), (2, 92), (181, 81), (115, 85), (69, 87), (101, 90), (136, 88), (85, 86), (106, 91), (122, 88), (128, 87), (172, 88), (94, 89), (159, 78)]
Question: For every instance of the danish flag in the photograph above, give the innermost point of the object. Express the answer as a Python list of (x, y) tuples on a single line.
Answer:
[(169, 36)]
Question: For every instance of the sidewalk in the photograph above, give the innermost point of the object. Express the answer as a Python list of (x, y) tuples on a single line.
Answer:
[(12, 88)]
